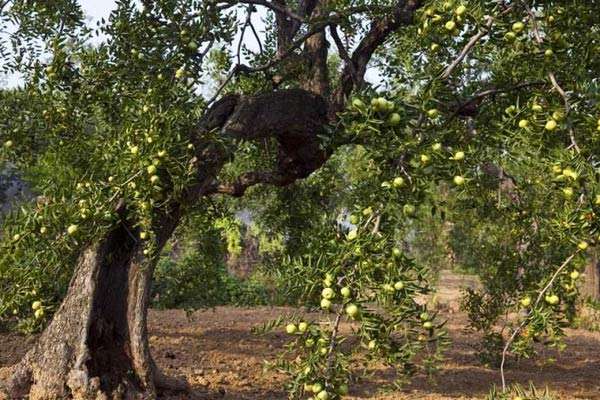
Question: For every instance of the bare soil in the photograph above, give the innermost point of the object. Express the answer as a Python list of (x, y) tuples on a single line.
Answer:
[(216, 351)]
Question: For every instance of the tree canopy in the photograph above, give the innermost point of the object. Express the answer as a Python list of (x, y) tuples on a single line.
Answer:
[(485, 113)]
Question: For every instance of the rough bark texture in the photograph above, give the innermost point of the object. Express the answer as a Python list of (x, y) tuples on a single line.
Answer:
[(96, 346)]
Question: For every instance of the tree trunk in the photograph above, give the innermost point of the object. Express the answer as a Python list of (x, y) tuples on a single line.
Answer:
[(96, 346)]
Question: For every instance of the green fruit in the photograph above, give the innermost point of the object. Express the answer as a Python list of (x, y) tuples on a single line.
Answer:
[(398, 182), (388, 288), (291, 329), (323, 395), (434, 47), (459, 155), (352, 310), (523, 124), (353, 234), (39, 313), (582, 245), (552, 299), (574, 275), (36, 305), (328, 293), (151, 169), (424, 158), (450, 26), (394, 119), (354, 219), (510, 36), (8, 144), (436, 146), (536, 108), (568, 192), (343, 389), (193, 46), (518, 27), (460, 10), (309, 343), (424, 316), (526, 301), (358, 103), (409, 209), (396, 252), (345, 292), (549, 53), (325, 304), (551, 125), (459, 180), (317, 387), (302, 327), (428, 325), (399, 285), (72, 229), (432, 113)]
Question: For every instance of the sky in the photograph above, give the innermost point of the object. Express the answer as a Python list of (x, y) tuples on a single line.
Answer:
[(97, 9)]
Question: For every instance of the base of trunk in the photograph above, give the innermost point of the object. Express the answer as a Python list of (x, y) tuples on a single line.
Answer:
[(96, 346)]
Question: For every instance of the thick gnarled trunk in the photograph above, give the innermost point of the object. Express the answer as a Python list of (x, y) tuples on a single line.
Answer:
[(96, 346)]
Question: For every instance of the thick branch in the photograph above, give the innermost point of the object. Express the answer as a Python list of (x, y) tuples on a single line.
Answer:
[(380, 31)]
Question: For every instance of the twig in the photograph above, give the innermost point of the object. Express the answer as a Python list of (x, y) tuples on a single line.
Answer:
[(468, 47), (525, 320), (343, 52), (268, 4)]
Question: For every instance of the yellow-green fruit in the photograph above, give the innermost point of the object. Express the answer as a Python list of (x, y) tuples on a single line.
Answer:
[(396, 252), (72, 229), (8, 144), (460, 10), (568, 192), (434, 47), (367, 211), (409, 209), (180, 73), (317, 387), (352, 310), (458, 180), (388, 288), (536, 108), (427, 325), (345, 291), (518, 27), (450, 26), (398, 182), (36, 305), (551, 125), (143, 235), (323, 395), (597, 201), (154, 178), (574, 275), (424, 316), (424, 158), (134, 150), (394, 119), (302, 327), (151, 169), (372, 344), (16, 237), (325, 304), (309, 343), (39, 313), (510, 36), (556, 169), (432, 113), (291, 329), (436, 146), (582, 245), (526, 301), (358, 103), (399, 285), (459, 155), (328, 293), (193, 46), (162, 153), (354, 219), (552, 299), (43, 230), (353, 234), (549, 53), (343, 389), (523, 123), (558, 115)]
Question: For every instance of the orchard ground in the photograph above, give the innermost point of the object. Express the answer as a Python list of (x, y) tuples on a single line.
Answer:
[(223, 359)]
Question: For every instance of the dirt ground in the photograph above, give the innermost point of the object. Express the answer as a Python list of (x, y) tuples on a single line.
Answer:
[(222, 359)]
